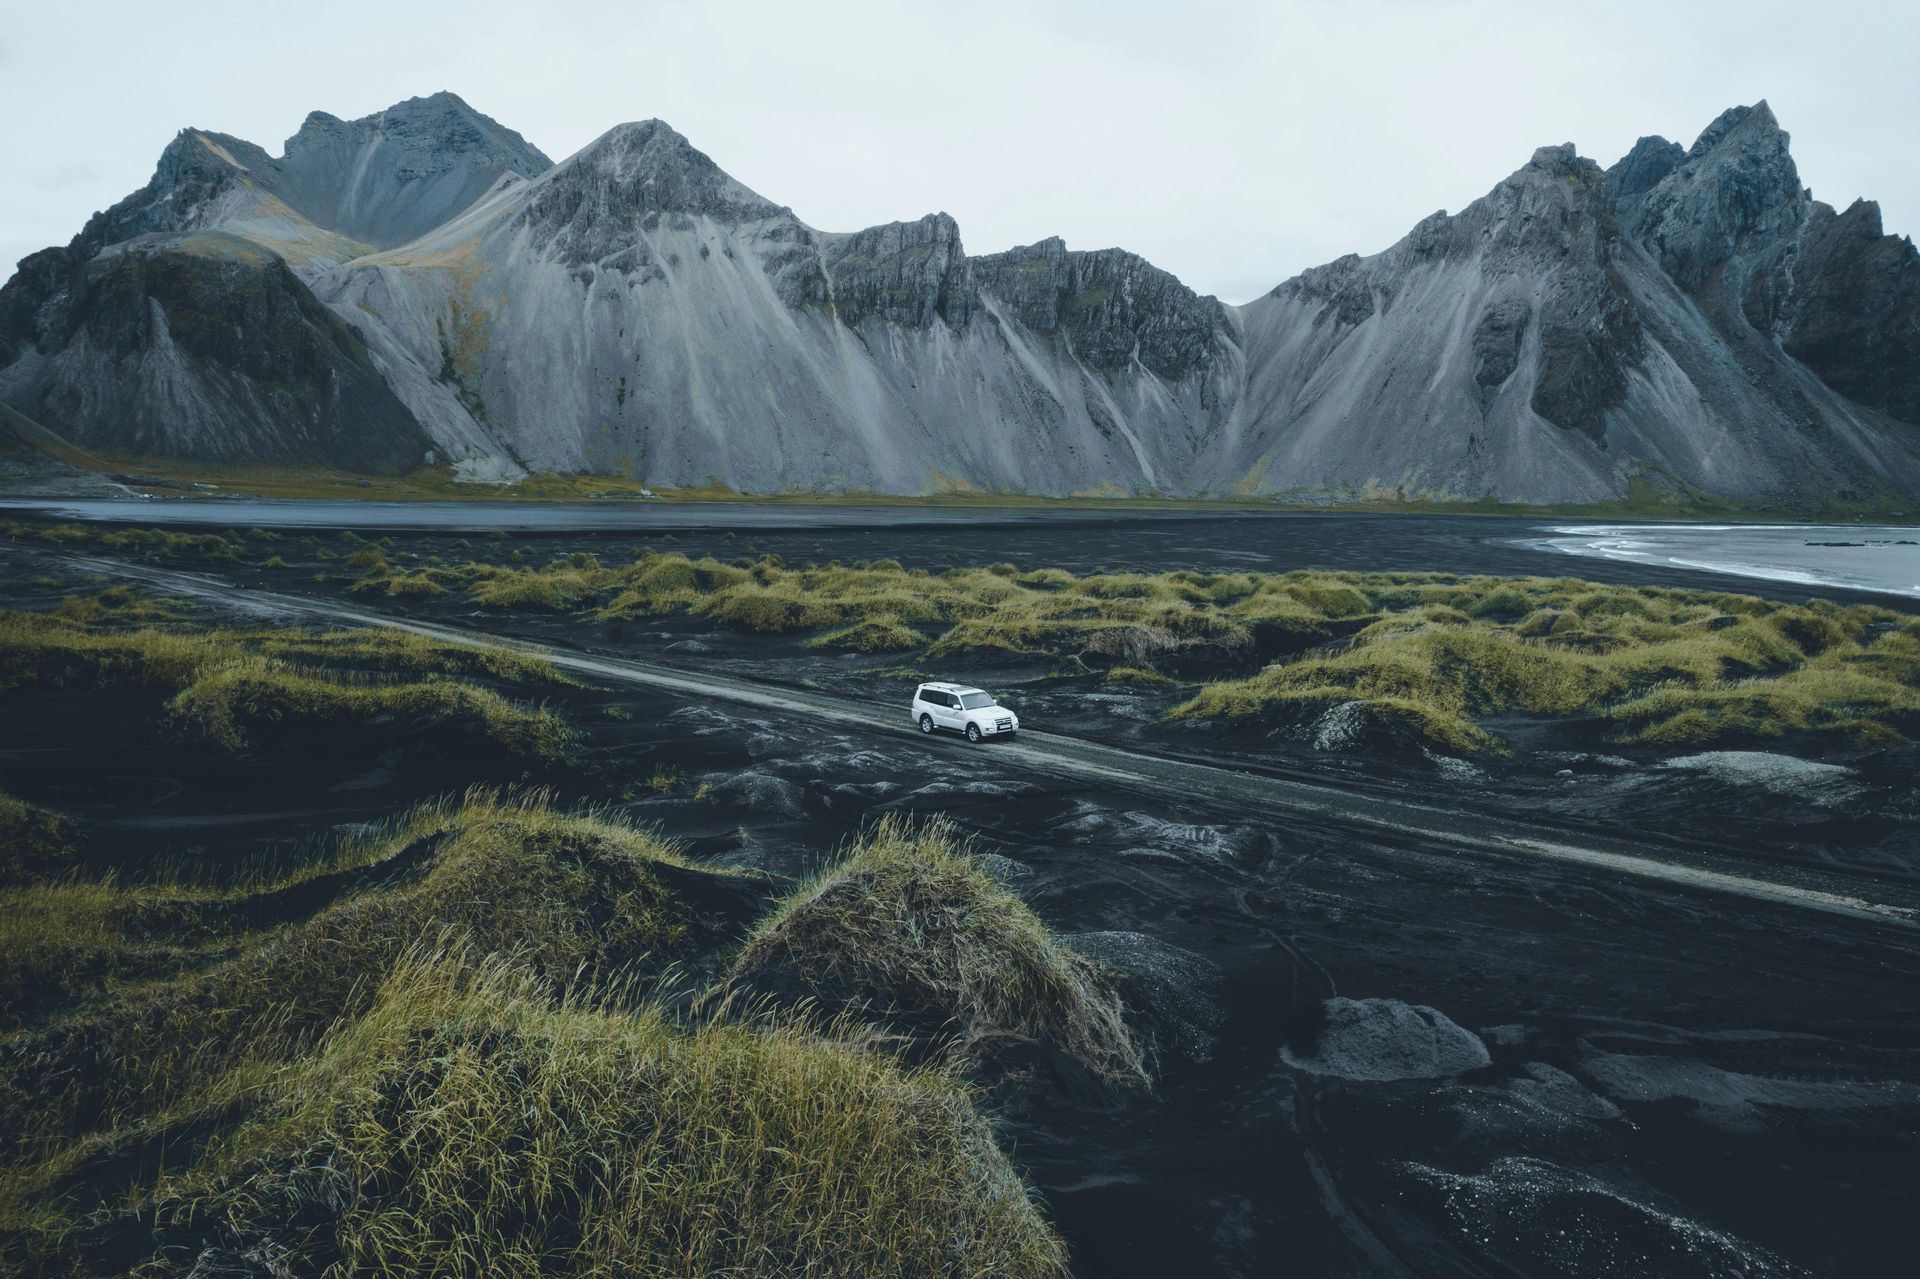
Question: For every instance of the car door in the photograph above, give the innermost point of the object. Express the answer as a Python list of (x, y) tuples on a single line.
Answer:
[(946, 710)]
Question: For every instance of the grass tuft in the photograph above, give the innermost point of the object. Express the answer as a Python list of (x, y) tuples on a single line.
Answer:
[(227, 686), (438, 1059), (911, 925), (573, 898), (35, 842), (1661, 667), (466, 1126)]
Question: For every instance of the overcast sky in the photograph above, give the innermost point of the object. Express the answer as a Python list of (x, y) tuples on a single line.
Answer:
[(1233, 144)]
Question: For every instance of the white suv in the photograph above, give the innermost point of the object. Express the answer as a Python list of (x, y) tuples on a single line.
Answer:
[(962, 709)]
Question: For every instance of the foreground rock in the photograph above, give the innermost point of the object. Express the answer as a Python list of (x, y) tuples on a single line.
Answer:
[(1384, 1039)]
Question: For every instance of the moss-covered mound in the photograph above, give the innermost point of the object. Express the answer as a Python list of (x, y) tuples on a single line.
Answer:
[(910, 928), (228, 687), (430, 1053), (464, 1125), (187, 982), (1413, 658), (1665, 667), (34, 842)]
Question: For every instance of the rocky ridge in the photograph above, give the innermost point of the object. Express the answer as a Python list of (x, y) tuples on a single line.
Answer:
[(1690, 319)]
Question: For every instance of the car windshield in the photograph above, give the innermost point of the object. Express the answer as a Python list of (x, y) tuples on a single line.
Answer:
[(975, 701)]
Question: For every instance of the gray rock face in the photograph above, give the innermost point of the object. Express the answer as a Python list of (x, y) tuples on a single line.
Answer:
[(1608, 307), (231, 357), (1110, 306), (397, 174), (1689, 319), (1737, 190), (205, 345), (907, 274), (1496, 345), (1342, 293), (1853, 313), (1642, 168), (636, 177), (1775, 270)]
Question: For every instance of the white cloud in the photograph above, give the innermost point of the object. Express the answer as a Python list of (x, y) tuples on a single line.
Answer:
[(1233, 144)]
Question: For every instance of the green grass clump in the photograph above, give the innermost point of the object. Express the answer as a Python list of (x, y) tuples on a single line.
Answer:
[(517, 588), (575, 899), (34, 842), (1138, 677), (159, 543), (419, 585), (401, 652), (146, 543), (911, 926), (116, 605), (229, 704), (1432, 655), (466, 1126), (428, 1052), (876, 635), (1663, 667), (58, 941), (228, 686)]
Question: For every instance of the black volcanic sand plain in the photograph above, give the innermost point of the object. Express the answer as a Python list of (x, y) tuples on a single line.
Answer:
[(1369, 1055)]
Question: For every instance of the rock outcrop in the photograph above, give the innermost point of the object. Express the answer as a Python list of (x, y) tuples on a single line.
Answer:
[(175, 322), (904, 274), (1690, 320), (204, 345), (1110, 307)]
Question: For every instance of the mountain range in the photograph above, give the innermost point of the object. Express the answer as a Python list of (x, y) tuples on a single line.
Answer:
[(423, 286)]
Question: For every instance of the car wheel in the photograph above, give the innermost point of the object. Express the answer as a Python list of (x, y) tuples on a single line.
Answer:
[(926, 723), (973, 732)]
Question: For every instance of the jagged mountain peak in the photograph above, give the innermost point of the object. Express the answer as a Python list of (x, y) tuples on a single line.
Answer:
[(1114, 308), (443, 121), (1754, 122), (439, 102), (1641, 169), (195, 169), (394, 175), (650, 167), (907, 273), (196, 148), (1557, 160), (348, 185), (1737, 188)]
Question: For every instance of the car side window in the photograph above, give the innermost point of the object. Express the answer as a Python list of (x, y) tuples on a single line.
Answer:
[(934, 697)]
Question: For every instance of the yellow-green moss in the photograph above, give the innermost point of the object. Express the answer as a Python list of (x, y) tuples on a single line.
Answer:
[(910, 919)]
